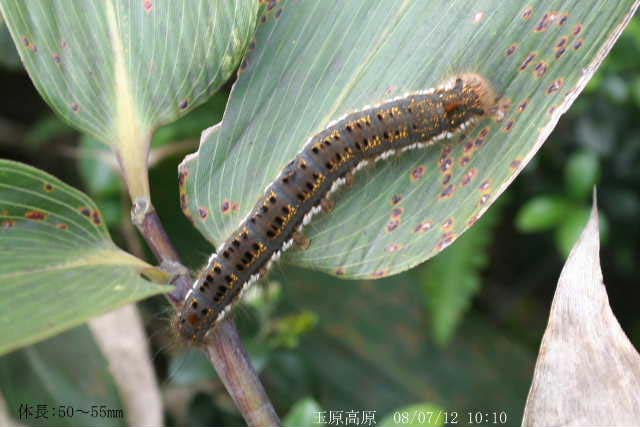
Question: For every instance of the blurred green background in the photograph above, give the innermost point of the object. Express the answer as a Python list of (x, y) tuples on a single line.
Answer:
[(460, 332)]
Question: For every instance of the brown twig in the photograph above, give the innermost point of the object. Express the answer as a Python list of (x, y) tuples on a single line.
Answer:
[(234, 368), (224, 347)]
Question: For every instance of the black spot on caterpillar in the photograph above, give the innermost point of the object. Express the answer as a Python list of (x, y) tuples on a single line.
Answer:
[(412, 121)]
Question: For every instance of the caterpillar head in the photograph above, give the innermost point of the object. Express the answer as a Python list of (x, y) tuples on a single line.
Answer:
[(466, 97)]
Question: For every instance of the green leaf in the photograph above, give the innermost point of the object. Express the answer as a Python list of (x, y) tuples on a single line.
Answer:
[(541, 213), (46, 129), (304, 413), (58, 266), (190, 368), (452, 279), (66, 371), (421, 414), (581, 174), (371, 349), (97, 168), (119, 69), (569, 231), (316, 61), (288, 330)]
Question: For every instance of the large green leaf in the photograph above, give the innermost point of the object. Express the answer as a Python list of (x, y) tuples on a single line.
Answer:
[(118, 69), (66, 374), (452, 279), (315, 61), (372, 349), (58, 266)]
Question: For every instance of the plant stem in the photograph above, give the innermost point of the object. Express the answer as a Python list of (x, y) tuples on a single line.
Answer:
[(224, 347), (234, 368)]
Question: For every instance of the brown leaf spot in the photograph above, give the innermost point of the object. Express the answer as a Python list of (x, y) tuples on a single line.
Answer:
[(472, 221), (577, 29), (278, 13), (445, 164), (482, 136), (184, 205), (578, 44), (560, 52), (468, 147), (446, 179), (29, 45), (527, 61), (541, 69), (397, 212), (508, 126), (424, 227), (447, 224), (545, 22), (396, 199), (62, 226), (527, 13), (8, 223), (380, 273), (562, 42), (504, 106), (75, 107), (515, 164), (418, 173), (56, 57), (464, 161), (485, 185), (393, 247), (184, 104), (391, 89), (203, 212), (511, 49), (466, 179), (340, 271), (183, 173), (523, 106), (563, 19), (485, 198), (95, 216), (448, 191), (36, 215), (393, 224), (85, 211), (555, 86), (446, 240), (48, 188)]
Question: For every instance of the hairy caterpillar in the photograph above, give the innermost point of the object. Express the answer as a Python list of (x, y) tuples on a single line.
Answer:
[(327, 160)]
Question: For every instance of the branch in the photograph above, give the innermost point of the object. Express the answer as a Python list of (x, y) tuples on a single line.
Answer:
[(224, 347)]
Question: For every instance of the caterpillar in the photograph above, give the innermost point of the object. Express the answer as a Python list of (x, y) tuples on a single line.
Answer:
[(327, 161)]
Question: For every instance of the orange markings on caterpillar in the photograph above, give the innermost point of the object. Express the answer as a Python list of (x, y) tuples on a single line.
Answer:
[(326, 162)]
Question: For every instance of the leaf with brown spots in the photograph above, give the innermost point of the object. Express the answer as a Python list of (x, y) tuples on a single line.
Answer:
[(58, 265), (117, 70), (373, 50)]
